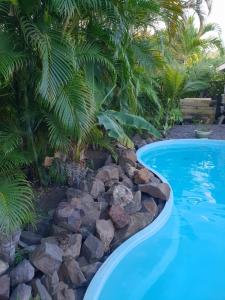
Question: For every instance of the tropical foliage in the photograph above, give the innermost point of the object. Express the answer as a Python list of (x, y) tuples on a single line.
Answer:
[(87, 72)]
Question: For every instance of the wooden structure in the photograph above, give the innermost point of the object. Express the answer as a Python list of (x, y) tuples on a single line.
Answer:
[(198, 108)]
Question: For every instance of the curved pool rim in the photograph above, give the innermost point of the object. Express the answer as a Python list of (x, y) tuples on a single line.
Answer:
[(97, 283), (95, 287)]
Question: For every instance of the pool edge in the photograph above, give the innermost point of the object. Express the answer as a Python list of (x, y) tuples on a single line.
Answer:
[(95, 287)]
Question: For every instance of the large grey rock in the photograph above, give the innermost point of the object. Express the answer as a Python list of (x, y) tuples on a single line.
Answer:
[(121, 195), (89, 209), (105, 231), (3, 267), (129, 170), (97, 188), (64, 293), (160, 191), (22, 273), (47, 258), (71, 273), (51, 282), (67, 216), (119, 217), (4, 287), (135, 204), (41, 290), (30, 238), (21, 292), (72, 247), (93, 249), (106, 173), (90, 270)]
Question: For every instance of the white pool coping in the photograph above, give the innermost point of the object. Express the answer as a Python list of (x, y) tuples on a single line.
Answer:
[(94, 289)]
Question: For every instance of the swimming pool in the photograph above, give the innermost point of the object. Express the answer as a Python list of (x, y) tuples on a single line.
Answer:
[(181, 255)]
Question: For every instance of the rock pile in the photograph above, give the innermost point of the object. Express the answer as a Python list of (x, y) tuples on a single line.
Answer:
[(116, 201)]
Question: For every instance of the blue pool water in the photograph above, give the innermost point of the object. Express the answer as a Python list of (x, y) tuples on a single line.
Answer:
[(181, 255)]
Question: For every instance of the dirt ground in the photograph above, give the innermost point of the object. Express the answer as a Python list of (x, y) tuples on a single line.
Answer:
[(188, 132)]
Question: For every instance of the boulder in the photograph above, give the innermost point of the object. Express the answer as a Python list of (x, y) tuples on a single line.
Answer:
[(93, 249), (67, 216), (151, 206), (51, 282), (30, 238), (72, 247), (129, 156), (4, 287), (119, 217), (47, 258), (97, 188), (138, 221), (3, 267), (135, 205), (106, 173), (90, 270), (70, 272), (89, 209), (105, 231), (142, 176), (127, 182), (22, 273), (64, 292), (21, 292), (129, 170), (121, 195), (138, 141), (41, 290), (160, 191)]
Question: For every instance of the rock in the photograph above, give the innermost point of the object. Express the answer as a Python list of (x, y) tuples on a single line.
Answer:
[(151, 207), (160, 191), (135, 205), (138, 222), (41, 290), (128, 156), (22, 273), (97, 188), (67, 216), (110, 183), (30, 238), (71, 273), (138, 141), (143, 176), (93, 249), (129, 170), (51, 283), (47, 258), (105, 231), (73, 246), (4, 287), (127, 182), (119, 217), (82, 261), (8, 246), (107, 173), (21, 292), (88, 208), (90, 270), (3, 267), (64, 293), (121, 195)]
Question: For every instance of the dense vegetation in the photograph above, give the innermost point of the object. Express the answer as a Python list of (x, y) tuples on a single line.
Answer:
[(77, 73)]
